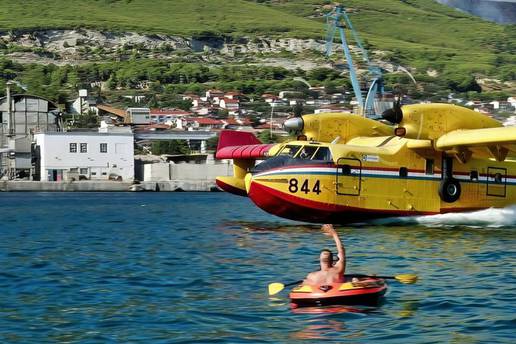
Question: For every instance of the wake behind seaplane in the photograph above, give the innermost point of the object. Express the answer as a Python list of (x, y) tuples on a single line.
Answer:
[(344, 168)]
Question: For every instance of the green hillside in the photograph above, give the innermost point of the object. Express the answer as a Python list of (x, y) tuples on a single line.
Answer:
[(419, 33), (175, 17), (426, 34)]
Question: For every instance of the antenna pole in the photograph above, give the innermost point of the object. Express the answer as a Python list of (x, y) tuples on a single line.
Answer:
[(9, 108)]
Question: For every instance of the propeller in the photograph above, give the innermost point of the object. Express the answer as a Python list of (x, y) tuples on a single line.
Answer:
[(394, 115), (294, 124)]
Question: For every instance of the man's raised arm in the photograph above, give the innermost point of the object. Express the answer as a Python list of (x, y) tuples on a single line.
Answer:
[(341, 253)]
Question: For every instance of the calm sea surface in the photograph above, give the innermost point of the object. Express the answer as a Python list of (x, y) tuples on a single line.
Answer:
[(194, 267)]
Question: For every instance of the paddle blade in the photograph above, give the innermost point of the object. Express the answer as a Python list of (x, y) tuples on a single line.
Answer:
[(406, 278), (275, 288)]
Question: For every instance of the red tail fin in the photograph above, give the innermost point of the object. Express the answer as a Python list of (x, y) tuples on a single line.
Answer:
[(240, 145), (236, 138)]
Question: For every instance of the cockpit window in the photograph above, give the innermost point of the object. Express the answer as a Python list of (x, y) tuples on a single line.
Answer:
[(323, 153), (306, 152), (289, 150)]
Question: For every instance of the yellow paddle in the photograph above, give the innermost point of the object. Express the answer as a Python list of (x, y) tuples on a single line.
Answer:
[(276, 287)]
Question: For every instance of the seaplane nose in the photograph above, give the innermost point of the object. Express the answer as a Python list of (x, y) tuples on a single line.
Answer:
[(293, 124), (247, 181)]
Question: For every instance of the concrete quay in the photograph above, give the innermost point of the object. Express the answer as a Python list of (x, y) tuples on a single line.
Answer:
[(107, 186)]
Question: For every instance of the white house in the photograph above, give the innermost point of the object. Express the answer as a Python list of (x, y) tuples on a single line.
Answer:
[(84, 156), (233, 95), (512, 101), (232, 105), (212, 94), (83, 105), (502, 105)]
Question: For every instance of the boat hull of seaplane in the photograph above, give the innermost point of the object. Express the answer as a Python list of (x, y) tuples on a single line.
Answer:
[(296, 208), (278, 192), (322, 194)]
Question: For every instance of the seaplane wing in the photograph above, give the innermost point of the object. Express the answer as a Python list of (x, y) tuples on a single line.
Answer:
[(499, 142)]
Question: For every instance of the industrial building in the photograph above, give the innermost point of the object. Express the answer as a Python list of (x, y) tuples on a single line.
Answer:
[(21, 116)]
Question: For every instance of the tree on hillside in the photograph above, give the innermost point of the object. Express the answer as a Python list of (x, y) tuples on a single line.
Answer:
[(297, 109), (463, 83), (321, 74), (87, 120), (265, 137), (212, 142), (170, 147), (178, 104)]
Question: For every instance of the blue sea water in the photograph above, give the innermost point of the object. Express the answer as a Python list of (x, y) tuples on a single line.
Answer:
[(194, 267)]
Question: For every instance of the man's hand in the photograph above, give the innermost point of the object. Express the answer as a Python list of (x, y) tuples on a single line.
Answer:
[(328, 230)]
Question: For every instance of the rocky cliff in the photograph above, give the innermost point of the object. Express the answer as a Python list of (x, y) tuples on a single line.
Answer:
[(83, 45)]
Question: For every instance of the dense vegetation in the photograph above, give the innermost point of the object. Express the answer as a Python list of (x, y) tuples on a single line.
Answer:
[(168, 80), (177, 17), (415, 33), (170, 147), (425, 34)]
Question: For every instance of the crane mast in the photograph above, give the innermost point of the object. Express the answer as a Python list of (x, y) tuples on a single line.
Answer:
[(338, 19)]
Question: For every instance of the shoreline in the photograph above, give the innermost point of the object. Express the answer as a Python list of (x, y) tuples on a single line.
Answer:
[(109, 186)]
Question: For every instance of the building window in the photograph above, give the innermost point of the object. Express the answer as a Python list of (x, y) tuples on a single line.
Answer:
[(103, 147), (73, 147), (84, 148), (84, 171)]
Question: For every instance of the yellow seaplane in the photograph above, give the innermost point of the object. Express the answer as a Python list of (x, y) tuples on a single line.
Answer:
[(343, 168)]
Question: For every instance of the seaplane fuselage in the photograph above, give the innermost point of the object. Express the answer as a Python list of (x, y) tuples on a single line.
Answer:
[(434, 158), (336, 185)]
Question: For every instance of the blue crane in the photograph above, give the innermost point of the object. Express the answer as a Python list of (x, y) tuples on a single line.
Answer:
[(338, 19)]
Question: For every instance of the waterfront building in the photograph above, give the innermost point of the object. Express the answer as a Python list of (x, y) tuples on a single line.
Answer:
[(103, 155)]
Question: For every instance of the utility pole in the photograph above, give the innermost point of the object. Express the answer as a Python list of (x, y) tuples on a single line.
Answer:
[(272, 113), (10, 131), (10, 124)]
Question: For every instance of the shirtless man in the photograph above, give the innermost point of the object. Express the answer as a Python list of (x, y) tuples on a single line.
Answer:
[(329, 273)]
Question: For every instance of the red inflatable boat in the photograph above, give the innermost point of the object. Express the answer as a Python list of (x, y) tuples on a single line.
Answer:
[(358, 291)]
